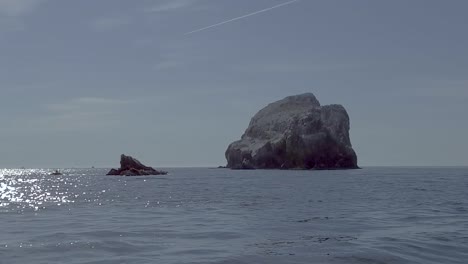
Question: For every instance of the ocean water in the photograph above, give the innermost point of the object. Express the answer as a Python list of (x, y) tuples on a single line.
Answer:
[(193, 215)]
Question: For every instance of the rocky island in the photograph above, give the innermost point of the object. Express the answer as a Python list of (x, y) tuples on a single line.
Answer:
[(295, 133), (130, 166)]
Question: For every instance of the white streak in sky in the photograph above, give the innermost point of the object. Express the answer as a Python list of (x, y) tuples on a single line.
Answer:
[(241, 17)]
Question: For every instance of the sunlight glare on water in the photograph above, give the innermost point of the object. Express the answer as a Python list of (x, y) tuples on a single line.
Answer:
[(24, 188)]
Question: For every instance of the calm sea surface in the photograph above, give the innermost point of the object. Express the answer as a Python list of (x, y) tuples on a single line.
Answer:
[(373, 215)]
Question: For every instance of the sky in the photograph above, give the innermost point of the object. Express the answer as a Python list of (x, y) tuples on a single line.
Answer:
[(83, 81)]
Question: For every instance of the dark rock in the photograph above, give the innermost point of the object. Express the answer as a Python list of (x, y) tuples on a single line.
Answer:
[(295, 133), (127, 173), (56, 173), (245, 165), (113, 172), (130, 166)]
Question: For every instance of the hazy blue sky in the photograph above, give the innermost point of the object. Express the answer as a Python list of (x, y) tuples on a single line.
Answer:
[(83, 81)]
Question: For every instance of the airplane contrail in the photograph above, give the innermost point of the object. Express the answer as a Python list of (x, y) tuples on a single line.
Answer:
[(241, 17)]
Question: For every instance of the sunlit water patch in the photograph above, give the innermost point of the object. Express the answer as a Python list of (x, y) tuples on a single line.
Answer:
[(35, 189)]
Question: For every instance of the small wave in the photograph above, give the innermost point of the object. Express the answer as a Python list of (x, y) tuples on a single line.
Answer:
[(322, 239), (317, 218)]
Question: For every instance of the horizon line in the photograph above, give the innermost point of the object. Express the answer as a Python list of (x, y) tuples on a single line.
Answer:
[(216, 166)]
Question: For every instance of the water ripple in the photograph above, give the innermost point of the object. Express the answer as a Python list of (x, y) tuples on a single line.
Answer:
[(379, 215)]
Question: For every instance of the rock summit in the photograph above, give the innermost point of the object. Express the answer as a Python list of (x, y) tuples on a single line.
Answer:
[(295, 133), (130, 166)]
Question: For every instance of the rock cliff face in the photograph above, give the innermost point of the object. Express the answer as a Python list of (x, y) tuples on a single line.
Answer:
[(295, 133), (132, 167)]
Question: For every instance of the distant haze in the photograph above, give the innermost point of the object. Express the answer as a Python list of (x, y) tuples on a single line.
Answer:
[(84, 81)]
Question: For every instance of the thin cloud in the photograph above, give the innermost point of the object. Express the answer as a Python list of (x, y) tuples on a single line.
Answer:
[(108, 23), (84, 113), (174, 5), (90, 103), (176, 57), (242, 17), (18, 7), (298, 67), (169, 6), (11, 24), (166, 65), (12, 12), (448, 89)]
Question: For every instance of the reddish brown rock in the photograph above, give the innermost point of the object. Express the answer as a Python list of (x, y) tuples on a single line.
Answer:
[(130, 166)]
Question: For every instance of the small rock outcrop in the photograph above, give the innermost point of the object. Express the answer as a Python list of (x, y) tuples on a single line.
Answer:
[(130, 166), (295, 133)]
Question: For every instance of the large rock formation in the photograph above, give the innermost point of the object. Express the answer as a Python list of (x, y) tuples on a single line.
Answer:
[(132, 167), (295, 133)]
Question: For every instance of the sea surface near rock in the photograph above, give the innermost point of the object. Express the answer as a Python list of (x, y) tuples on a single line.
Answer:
[(295, 133), (219, 216)]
